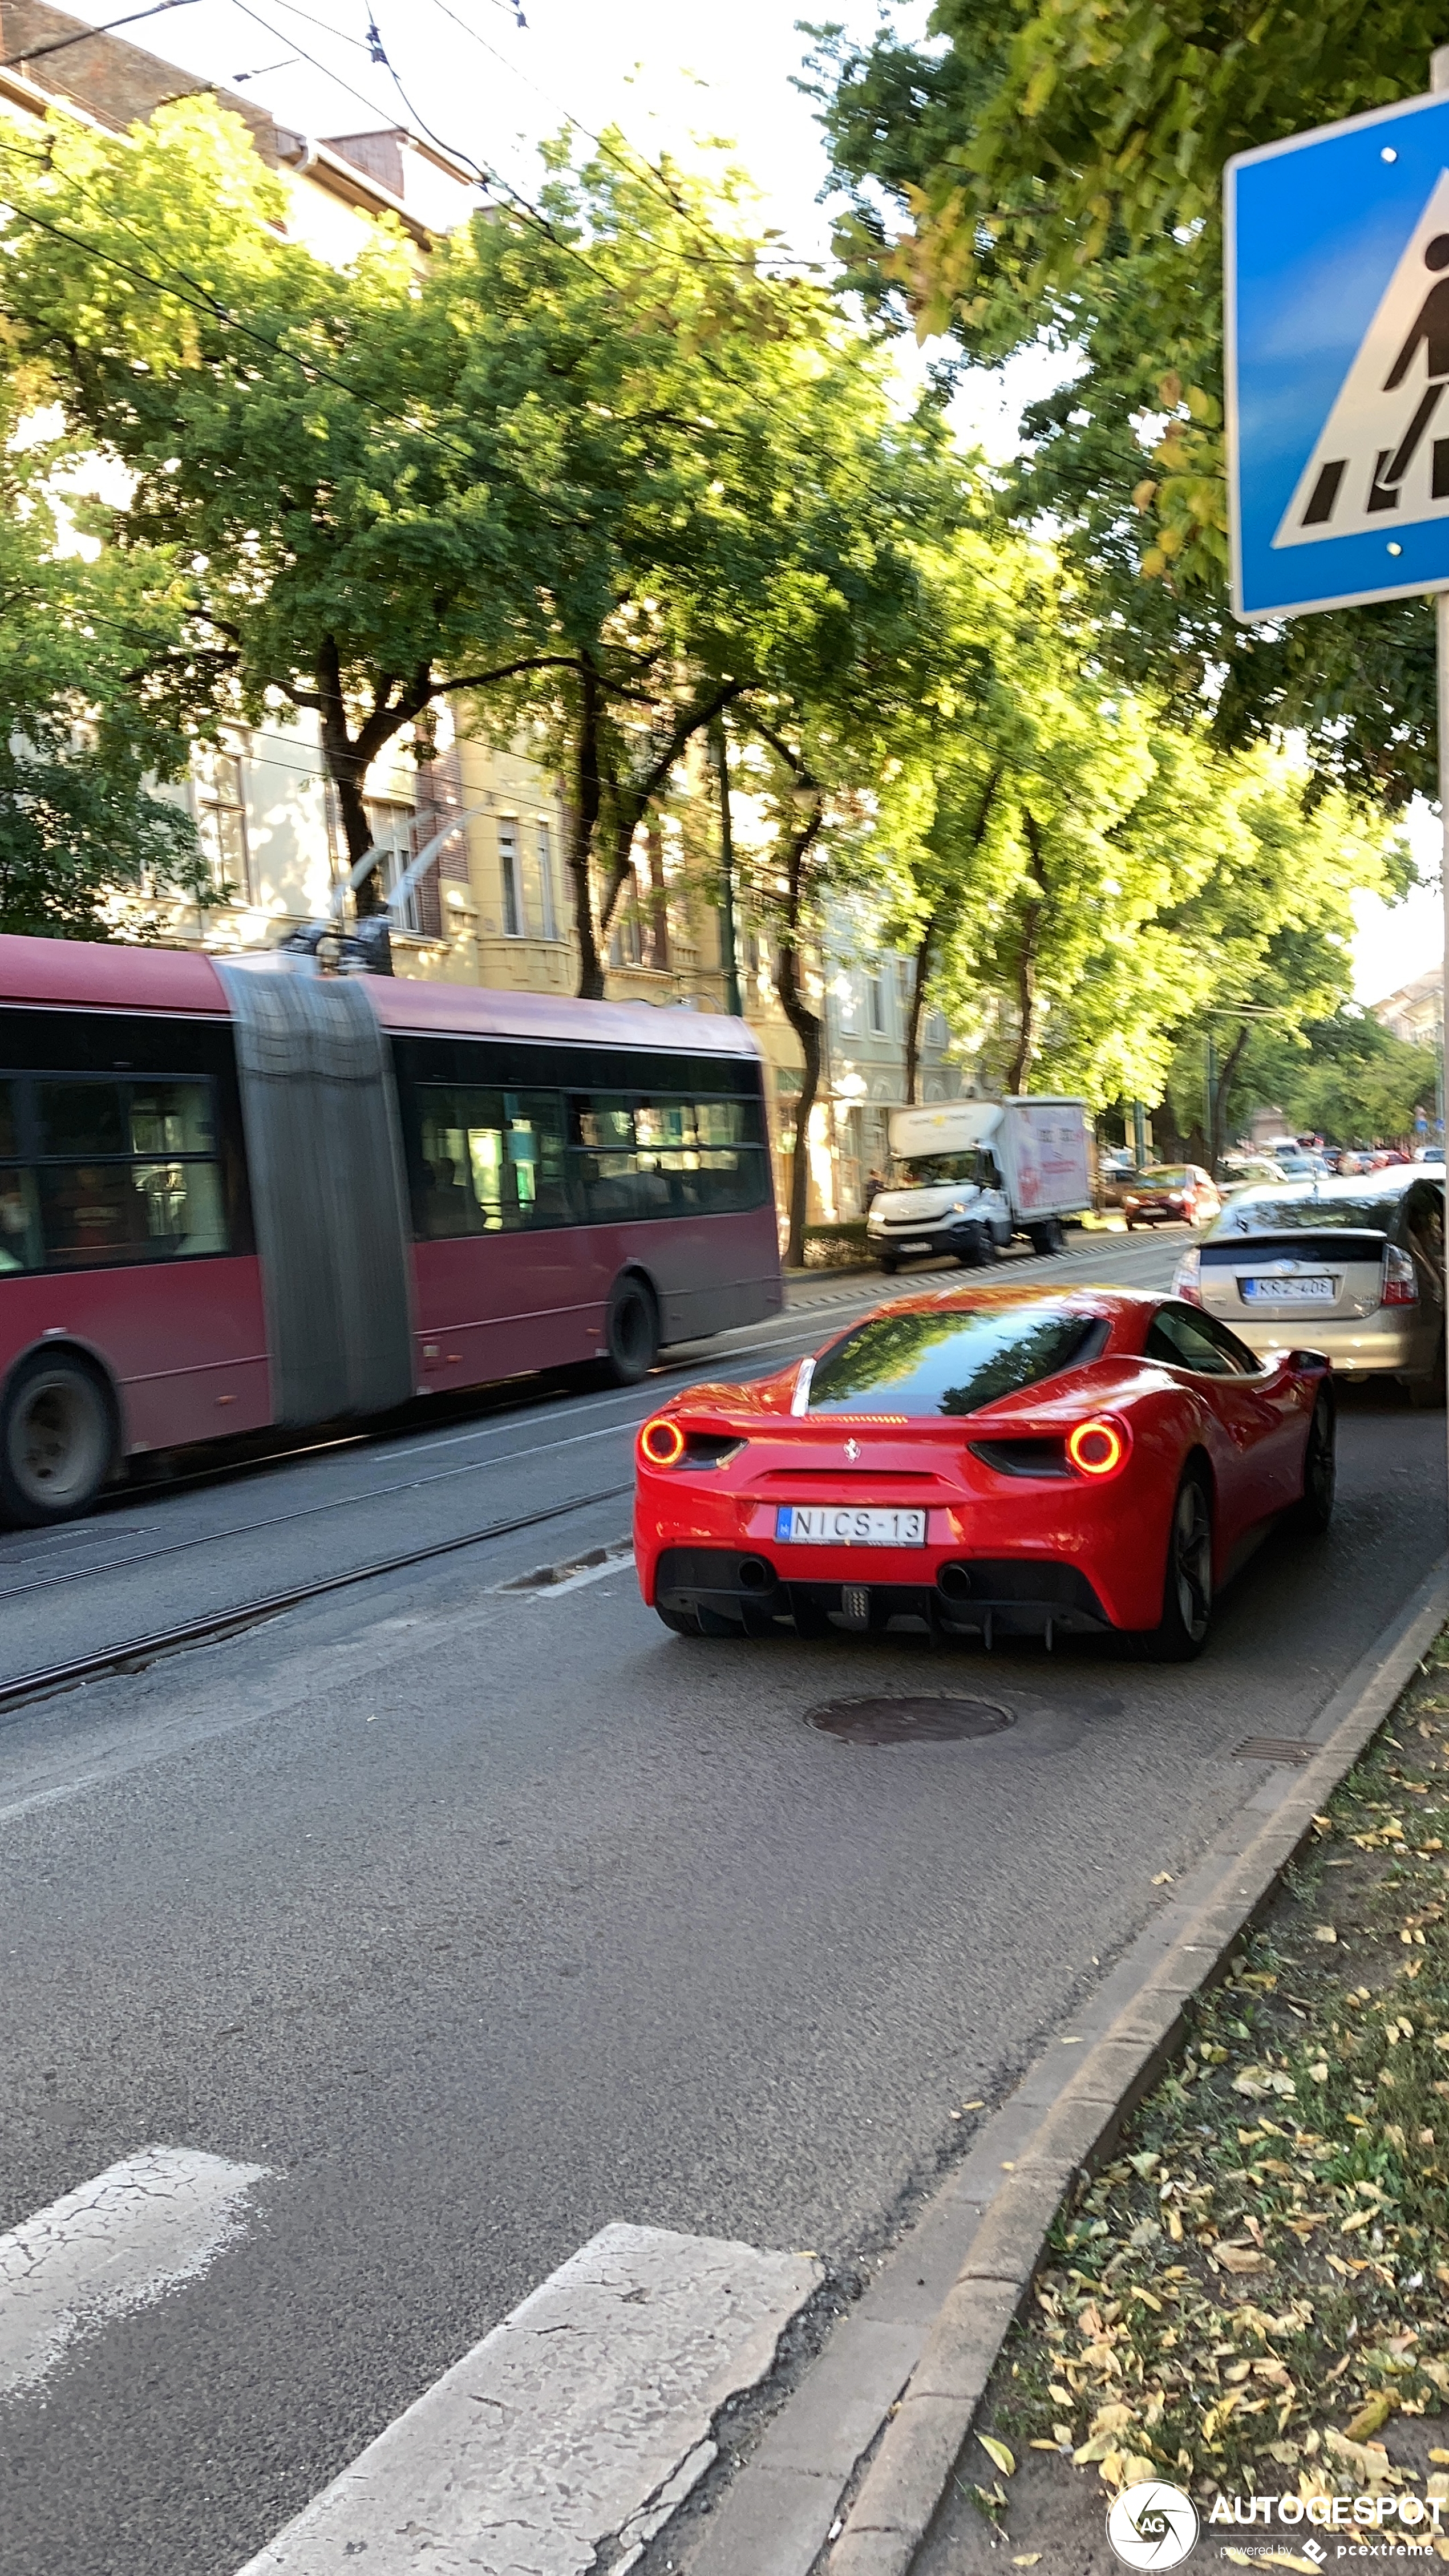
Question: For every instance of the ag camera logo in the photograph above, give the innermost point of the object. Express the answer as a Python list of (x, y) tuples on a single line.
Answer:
[(1152, 2525)]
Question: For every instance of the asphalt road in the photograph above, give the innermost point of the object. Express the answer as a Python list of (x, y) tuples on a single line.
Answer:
[(478, 1919)]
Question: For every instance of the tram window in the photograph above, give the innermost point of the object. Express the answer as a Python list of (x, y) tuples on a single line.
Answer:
[(490, 1161), (95, 1213), (171, 1118), (9, 1124), (82, 1117), (19, 1231), (665, 1157)]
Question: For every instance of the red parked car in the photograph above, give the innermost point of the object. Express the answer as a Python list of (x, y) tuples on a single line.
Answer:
[(1171, 1194), (1007, 1460)]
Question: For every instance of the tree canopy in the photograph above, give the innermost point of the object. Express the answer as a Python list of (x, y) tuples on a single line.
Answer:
[(1050, 170), (599, 472), (86, 844)]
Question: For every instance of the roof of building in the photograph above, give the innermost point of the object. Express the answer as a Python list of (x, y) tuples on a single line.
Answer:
[(49, 59)]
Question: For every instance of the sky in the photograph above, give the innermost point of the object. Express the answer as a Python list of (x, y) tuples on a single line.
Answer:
[(673, 75)]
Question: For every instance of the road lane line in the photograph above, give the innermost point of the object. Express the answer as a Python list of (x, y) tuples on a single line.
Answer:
[(118, 2242), (586, 2414)]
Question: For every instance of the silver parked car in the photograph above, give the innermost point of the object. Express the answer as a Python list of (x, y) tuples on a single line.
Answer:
[(1351, 1267)]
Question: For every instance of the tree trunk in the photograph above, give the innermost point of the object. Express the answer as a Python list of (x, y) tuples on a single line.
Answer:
[(1027, 958), (1226, 1071), (633, 796), (348, 756), (584, 814), (806, 1025), (913, 1020)]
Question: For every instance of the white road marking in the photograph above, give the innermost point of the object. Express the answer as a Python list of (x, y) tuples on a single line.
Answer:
[(116, 2243), (586, 2414)]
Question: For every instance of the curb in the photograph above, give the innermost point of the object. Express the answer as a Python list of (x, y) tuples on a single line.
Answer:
[(900, 2380), (905, 2482)]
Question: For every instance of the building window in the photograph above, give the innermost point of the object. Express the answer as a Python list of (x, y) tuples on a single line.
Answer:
[(544, 847), (515, 923), (392, 838), (218, 792), (875, 1004)]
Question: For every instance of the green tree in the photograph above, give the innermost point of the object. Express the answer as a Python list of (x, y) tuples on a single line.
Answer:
[(87, 848), (1051, 171), (595, 474), (1341, 1076)]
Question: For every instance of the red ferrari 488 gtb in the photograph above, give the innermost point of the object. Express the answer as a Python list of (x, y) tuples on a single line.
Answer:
[(1004, 1460)]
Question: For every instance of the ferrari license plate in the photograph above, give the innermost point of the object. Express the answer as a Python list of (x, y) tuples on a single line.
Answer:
[(848, 1525), (1305, 1289)]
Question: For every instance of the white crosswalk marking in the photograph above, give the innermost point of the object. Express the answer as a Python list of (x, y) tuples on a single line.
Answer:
[(585, 2414), (118, 2242)]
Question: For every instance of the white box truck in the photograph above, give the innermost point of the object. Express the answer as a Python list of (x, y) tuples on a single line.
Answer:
[(966, 1177)]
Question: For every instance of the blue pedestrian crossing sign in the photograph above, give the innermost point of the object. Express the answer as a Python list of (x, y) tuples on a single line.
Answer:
[(1337, 248)]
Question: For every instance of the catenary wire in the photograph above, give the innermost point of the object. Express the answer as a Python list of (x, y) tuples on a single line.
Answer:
[(636, 168), (58, 44)]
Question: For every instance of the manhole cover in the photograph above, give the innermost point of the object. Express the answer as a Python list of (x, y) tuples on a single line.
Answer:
[(1274, 1748), (908, 1721)]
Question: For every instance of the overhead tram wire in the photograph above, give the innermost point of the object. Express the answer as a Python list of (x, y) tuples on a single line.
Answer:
[(204, 302), (58, 44), (490, 179), (634, 169)]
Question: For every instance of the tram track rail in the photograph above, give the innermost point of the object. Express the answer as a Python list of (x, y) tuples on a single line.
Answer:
[(133, 1654)]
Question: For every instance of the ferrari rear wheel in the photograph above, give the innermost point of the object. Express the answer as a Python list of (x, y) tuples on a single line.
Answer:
[(1187, 1592), (1320, 1468)]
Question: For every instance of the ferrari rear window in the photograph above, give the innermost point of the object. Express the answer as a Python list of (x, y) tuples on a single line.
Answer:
[(952, 1362)]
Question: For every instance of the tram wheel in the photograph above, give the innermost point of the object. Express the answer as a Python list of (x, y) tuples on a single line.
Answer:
[(57, 1440), (631, 1332)]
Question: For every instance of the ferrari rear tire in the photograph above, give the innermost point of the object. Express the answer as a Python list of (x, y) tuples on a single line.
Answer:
[(682, 1622), (1187, 1590), (1320, 1467)]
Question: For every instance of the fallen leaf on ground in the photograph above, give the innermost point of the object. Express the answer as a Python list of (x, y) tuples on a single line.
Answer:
[(1028, 2558), (1371, 2416), (1324, 1932), (998, 2454), (1163, 1878), (1238, 2259)]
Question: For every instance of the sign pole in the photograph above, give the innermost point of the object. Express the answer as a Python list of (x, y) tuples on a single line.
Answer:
[(1439, 81)]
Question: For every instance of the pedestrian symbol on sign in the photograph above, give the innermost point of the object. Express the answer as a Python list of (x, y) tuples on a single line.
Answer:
[(1377, 461)]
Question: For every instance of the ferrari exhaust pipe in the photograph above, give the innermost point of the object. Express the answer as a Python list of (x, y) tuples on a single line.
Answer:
[(755, 1575), (955, 1582)]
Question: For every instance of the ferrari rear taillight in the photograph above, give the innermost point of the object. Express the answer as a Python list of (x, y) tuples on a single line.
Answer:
[(667, 1443), (1401, 1286), (1099, 1448)]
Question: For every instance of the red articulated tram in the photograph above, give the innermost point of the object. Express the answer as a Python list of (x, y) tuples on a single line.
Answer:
[(242, 1193)]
